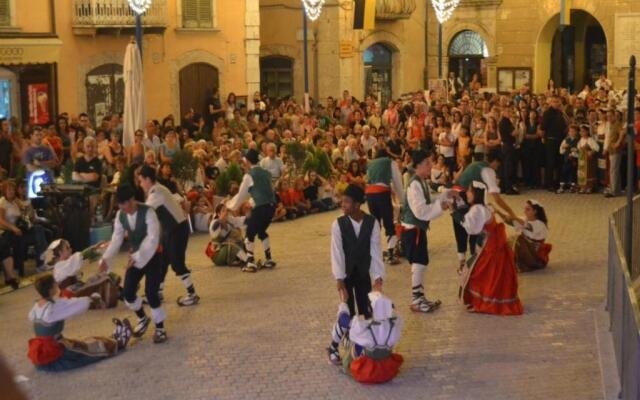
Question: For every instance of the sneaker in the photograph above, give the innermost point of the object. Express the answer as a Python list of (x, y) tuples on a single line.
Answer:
[(191, 299), (159, 336), (421, 304), (334, 356), (122, 333), (250, 266), (141, 327), (560, 190), (392, 259), (269, 264)]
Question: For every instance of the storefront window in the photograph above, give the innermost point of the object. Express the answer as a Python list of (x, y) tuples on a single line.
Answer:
[(105, 91), (5, 98)]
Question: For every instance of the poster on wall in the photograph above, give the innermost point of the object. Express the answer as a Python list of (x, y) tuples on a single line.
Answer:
[(440, 90), (38, 103)]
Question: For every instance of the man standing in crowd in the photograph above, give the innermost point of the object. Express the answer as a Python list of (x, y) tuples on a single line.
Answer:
[(417, 211), (507, 135), (88, 170), (6, 149), (478, 171), (273, 163), (554, 127), (175, 232), (38, 156), (355, 259), (85, 123), (141, 225), (383, 174), (256, 184), (151, 140)]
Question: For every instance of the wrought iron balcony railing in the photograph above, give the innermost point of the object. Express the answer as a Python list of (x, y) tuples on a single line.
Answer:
[(116, 14)]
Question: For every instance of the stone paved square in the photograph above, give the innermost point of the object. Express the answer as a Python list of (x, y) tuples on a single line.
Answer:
[(263, 335)]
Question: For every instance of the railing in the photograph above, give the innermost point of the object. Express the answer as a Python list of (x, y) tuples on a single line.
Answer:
[(116, 13), (622, 303)]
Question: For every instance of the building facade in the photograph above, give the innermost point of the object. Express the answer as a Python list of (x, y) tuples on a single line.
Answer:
[(67, 55)]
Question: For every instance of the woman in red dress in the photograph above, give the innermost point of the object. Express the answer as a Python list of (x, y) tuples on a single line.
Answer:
[(489, 281)]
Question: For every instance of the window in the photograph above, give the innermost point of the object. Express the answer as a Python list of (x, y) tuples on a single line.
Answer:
[(468, 43), (105, 91), (197, 13), (5, 13), (378, 67), (276, 76)]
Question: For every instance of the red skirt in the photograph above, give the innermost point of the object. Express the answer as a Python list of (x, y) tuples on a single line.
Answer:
[(492, 286), (365, 369), (44, 350)]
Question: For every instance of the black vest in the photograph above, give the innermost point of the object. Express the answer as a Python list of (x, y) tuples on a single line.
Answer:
[(357, 250)]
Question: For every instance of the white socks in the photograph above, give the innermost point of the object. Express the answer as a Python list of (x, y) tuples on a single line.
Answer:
[(417, 274)]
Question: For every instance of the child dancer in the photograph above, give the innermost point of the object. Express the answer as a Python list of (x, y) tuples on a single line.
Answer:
[(226, 238), (569, 151), (587, 151), (355, 258)]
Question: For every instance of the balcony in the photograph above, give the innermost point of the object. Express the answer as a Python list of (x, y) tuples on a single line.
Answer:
[(91, 17), (394, 9)]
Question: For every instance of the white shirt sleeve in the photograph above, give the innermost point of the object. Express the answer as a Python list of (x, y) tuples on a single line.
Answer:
[(377, 265), (243, 193), (593, 144), (337, 252), (149, 245), (419, 206), (535, 230), (396, 179), (61, 309), (67, 268), (475, 219), (154, 199), (489, 178), (116, 241)]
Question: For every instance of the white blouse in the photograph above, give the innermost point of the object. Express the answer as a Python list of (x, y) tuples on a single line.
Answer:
[(67, 268), (476, 218), (59, 310), (534, 230)]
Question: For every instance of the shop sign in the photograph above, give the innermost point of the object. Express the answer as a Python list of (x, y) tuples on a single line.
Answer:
[(38, 103)]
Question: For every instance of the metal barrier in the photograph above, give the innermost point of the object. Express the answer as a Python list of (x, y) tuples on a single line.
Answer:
[(622, 302)]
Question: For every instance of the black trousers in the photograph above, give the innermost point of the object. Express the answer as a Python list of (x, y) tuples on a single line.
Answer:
[(462, 238), (259, 221), (174, 248), (531, 163), (552, 163), (361, 286), (508, 167), (152, 272), (381, 208), (414, 243)]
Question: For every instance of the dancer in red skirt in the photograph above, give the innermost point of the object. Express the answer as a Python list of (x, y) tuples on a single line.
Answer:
[(489, 280)]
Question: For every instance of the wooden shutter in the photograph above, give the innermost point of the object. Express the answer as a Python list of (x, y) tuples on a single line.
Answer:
[(5, 13), (189, 13), (205, 14)]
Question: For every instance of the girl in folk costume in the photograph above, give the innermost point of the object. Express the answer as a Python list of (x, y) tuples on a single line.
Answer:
[(531, 250), (226, 247), (356, 257), (587, 160), (49, 350), (256, 184), (141, 225), (417, 211), (489, 281), (66, 272), (368, 351)]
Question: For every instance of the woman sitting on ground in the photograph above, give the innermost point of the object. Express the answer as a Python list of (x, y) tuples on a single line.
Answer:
[(49, 350), (226, 247)]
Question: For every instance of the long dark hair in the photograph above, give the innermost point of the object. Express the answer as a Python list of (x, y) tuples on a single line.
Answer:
[(478, 195), (540, 212), (43, 286)]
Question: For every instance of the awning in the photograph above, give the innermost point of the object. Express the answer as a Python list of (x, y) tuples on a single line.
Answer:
[(30, 51)]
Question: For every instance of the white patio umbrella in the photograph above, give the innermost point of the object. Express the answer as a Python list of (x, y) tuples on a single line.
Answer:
[(134, 102)]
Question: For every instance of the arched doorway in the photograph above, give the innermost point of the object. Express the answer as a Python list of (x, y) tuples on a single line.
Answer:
[(196, 82), (467, 52), (378, 67), (276, 76), (572, 55), (105, 91), (9, 92)]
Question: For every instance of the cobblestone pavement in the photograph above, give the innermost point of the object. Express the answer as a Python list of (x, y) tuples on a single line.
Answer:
[(263, 335)]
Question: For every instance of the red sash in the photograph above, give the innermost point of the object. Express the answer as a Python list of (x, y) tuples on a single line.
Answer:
[(44, 350), (375, 189)]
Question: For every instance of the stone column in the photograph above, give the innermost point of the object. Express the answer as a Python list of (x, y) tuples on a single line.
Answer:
[(492, 72), (252, 45)]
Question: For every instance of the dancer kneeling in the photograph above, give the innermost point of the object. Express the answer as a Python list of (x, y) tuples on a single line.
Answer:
[(226, 247), (489, 280), (66, 272), (531, 250), (49, 351), (368, 348)]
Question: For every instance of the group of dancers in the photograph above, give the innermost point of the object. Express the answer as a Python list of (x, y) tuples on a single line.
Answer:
[(158, 235), (488, 261)]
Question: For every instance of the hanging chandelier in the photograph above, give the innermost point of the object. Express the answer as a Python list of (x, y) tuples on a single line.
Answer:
[(139, 6), (313, 8), (444, 9)]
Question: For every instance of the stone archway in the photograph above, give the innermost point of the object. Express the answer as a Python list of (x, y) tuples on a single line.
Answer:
[(545, 45), (293, 53), (83, 69), (192, 57), (392, 43)]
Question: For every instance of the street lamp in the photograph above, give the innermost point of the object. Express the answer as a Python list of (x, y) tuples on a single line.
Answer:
[(444, 10), (139, 7), (311, 9)]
